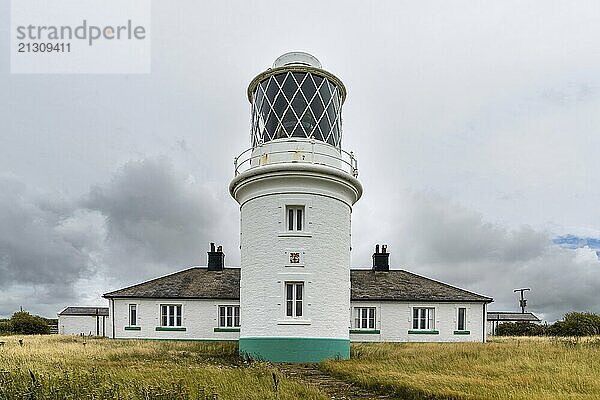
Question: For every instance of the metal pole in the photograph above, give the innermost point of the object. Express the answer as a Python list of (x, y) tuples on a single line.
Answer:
[(522, 302)]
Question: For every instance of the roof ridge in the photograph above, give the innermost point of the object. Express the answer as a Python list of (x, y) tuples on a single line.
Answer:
[(152, 280), (85, 307), (192, 282), (84, 310), (446, 284), (510, 312), (380, 282)]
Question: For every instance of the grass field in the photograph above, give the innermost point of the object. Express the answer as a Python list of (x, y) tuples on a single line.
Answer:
[(59, 367), (63, 367), (504, 368)]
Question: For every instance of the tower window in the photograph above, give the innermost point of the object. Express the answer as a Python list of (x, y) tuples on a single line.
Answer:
[(295, 218), (294, 297)]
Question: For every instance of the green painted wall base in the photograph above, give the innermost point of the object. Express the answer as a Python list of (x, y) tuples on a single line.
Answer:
[(294, 350)]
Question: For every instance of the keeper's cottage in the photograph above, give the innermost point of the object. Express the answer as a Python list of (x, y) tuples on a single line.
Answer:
[(294, 297)]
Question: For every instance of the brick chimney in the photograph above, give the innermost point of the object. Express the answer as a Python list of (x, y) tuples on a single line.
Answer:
[(381, 261), (216, 259)]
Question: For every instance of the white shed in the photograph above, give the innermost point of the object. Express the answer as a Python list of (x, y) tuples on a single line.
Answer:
[(89, 321)]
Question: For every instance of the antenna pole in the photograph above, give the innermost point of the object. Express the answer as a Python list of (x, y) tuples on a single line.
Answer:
[(523, 301)]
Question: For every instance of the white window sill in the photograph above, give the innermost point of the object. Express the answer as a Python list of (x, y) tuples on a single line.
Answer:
[(295, 234), (293, 322)]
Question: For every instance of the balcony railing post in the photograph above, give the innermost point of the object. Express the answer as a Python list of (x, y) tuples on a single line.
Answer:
[(352, 163)]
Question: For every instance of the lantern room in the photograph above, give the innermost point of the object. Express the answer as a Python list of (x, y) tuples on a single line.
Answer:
[(296, 98)]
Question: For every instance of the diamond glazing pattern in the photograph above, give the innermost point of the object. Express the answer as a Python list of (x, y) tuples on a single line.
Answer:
[(296, 104)]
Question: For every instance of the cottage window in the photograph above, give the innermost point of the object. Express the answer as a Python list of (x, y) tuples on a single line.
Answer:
[(132, 314), (294, 296), (170, 315), (229, 316), (462, 317), (295, 218), (364, 318), (423, 318)]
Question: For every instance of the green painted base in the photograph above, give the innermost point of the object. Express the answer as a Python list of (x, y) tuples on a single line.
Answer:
[(170, 328), (365, 331), (294, 350), (226, 329)]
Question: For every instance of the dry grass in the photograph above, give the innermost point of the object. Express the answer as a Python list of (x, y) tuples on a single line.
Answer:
[(509, 368), (64, 368), (525, 368)]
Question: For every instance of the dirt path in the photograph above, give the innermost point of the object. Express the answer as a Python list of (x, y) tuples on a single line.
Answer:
[(335, 388)]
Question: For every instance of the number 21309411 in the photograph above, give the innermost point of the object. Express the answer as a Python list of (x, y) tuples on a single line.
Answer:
[(44, 47)]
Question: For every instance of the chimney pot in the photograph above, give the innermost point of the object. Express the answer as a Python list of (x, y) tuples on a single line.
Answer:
[(216, 259), (381, 261)]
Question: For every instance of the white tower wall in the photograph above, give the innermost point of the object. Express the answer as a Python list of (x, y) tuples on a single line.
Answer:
[(324, 249)]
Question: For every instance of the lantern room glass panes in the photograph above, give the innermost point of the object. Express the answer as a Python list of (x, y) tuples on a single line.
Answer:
[(296, 104)]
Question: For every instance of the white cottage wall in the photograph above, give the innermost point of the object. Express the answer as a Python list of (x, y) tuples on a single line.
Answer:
[(394, 321), (199, 319)]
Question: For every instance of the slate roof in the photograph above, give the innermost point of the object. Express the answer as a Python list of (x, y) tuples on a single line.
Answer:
[(192, 283), (87, 311), (400, 285), (367, 285), (512, 316)]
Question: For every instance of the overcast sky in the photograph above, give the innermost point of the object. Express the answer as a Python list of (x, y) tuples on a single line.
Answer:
[(476, 125)]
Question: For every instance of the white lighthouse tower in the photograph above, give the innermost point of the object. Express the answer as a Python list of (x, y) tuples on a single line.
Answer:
[(296, 188)]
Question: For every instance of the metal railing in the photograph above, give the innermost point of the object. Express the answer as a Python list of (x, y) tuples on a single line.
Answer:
[(347, 161)]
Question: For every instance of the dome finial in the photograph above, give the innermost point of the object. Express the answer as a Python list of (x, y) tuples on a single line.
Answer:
[(297, 58)]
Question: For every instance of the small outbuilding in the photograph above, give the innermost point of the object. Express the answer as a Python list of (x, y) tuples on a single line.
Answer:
[(495, 318), (89, 321)]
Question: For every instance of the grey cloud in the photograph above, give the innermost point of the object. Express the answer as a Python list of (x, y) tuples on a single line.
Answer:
[(158, 219), (449, 242), (445, 232), (32, 247), (40, 259), (150, 219)]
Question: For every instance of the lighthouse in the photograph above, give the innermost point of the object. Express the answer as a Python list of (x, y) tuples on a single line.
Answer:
[(296, 186)]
